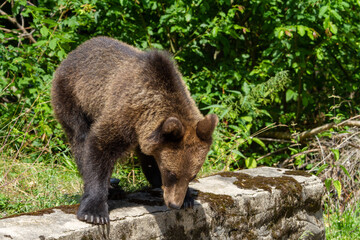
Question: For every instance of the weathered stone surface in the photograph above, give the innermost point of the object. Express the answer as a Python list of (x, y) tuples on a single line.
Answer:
[(261, 203)]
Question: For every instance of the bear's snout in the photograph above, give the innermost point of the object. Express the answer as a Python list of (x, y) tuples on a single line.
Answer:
[(174, 202), (174, 195), (174, 206)]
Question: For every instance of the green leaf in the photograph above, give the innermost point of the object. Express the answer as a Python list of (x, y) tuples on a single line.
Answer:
[(157, 45), (213, 106), (323, 10), (345, 4), (61, 54), (246, 88), (310, 34), (291, 95), (345, 171), (214, 31), (280, 34), (326, 23), (38, 9), (18, 60), (236, 152), (337, 186), (336, 154), (14, 68), (122, 2), (301, 30), (50, 22), (188, 17), (40, 43), (328, 182), (333, 28), (261, 143), (247, 118), (321, 168), (234, 91), (319, 54), (250, 163), (336, 15), (52, 44), (293, 150), (44, 31), (223, 114)]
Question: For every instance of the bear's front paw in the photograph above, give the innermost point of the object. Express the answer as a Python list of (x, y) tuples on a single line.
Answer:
[(188, 201), (93, 211), (116, 194)]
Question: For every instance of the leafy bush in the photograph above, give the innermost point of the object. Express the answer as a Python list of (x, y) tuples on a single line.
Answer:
[(231, 55), (259, 65)]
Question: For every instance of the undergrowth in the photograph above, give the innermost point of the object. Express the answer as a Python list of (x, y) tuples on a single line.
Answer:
[(27, 187), (342, 225)]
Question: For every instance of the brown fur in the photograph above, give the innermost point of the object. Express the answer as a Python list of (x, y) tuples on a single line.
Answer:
[(112, 98)]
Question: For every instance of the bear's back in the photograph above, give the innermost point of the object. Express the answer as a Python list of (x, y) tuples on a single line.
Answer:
[(90, 71), (104, 73), (97, 58)]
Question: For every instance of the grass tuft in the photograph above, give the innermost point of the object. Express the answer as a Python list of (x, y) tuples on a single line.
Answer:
[(27, 187), (343, 225)]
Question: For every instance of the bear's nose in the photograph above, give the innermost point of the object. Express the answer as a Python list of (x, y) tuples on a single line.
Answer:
[(174, 206)]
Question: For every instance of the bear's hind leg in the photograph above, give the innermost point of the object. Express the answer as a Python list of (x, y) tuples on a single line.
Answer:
[(77, 134), (75, 122)]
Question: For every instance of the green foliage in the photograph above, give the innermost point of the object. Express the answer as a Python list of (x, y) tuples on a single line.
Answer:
[(336, 184), (242, 112), (232, 56), (253, 63)]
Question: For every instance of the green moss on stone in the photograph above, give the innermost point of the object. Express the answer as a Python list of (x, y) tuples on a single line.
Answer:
[(217, 202), (287, 185), (69, 209), (297, 173)]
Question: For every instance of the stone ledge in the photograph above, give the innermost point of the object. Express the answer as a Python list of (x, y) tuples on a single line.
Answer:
[(262, 203)]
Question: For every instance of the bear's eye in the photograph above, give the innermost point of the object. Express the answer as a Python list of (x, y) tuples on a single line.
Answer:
[(170, 178)]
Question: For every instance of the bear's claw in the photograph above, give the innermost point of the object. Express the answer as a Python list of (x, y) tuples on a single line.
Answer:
[(94, 212), (94, 219)]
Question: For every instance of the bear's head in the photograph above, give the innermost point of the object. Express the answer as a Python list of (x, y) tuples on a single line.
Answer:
[(180, 155)]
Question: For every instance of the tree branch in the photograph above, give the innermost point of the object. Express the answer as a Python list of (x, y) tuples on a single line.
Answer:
[(19, 26), (3, 4), (312, 132), (291, 158), (277, 151), (8, 30)]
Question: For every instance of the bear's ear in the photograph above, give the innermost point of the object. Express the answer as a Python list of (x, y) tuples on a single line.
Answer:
[(205, 127), (172, 128)]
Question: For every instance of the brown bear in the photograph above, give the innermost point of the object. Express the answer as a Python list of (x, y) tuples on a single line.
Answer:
[(112, 98)]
